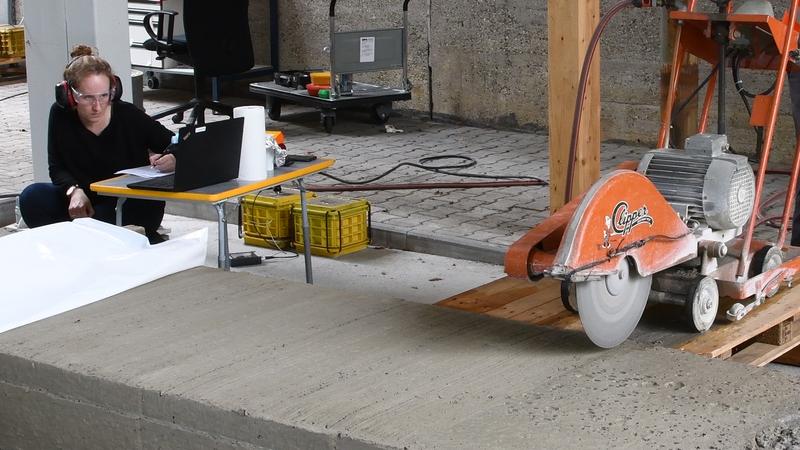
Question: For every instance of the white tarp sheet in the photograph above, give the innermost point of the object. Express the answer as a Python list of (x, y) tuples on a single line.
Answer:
[(48, 270)]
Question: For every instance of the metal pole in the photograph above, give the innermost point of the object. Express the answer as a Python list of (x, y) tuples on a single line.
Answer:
[(790, 197), (406, 86), (223, 261), (722, 30), (334, 85), (721, 80), (118, 212), (306, 238)]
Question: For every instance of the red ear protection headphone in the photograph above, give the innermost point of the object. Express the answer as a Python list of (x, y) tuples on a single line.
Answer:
[(66, 100)]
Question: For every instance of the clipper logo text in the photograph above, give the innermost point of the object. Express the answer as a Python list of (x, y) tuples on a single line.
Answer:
[(623, 221)]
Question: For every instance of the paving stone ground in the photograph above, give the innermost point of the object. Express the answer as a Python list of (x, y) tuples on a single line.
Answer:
[(483, 218)]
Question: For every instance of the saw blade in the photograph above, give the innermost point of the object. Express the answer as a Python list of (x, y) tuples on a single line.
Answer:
[(610, 308)]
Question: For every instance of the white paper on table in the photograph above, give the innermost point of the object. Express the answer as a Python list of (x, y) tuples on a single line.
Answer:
[(55, 268), (144, 172)]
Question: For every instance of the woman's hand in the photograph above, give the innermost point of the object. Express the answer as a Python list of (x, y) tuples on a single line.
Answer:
[(163, 163), (80, 205)]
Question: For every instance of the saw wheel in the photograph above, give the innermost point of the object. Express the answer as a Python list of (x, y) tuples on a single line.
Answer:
[(568, 296), (610, 308), (702, 303), (764, 260)]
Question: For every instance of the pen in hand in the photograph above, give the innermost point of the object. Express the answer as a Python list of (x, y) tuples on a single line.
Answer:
[(167, 151), (153, 163)]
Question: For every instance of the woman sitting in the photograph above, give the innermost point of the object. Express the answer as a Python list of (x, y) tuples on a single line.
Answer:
[(93, 134)]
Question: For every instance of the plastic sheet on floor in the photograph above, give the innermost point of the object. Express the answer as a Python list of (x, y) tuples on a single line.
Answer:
[(52, 269)]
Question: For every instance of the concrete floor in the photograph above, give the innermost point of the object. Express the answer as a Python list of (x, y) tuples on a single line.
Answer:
[(379, 272), (209, 359), (411, 376), (375, 271)]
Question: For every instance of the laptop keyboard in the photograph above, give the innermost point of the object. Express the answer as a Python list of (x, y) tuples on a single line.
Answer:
[(165, 182)]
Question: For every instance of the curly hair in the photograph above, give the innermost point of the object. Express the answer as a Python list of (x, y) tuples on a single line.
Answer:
[(85, 62)]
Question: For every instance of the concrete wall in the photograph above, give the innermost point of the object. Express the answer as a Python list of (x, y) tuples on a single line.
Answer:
[(488, 62), (10, 11), (485, 62)]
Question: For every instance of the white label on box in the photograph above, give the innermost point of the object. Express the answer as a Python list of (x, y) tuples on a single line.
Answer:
[(367, 50)]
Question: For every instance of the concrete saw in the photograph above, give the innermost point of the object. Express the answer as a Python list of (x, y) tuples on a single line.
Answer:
[(668, 232)]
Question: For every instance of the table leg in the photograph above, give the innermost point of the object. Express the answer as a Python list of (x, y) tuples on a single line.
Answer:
[(120, 202), (306, 235), (223, 255)]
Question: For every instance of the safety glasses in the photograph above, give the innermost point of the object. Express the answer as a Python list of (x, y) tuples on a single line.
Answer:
[(89, 99)]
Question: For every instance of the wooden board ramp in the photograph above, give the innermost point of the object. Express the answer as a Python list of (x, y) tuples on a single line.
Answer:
[(769, 333)]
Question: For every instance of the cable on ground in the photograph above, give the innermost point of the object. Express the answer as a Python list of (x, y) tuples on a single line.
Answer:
[(444, 169), (12, 96)]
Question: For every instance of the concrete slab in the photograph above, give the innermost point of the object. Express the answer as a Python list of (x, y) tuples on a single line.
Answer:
[(206, 358)]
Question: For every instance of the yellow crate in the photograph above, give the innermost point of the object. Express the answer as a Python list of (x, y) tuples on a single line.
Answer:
[(12, 41), (337, 225), (266, 218)]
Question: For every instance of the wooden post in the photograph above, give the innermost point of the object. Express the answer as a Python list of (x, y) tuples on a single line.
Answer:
[(685, 122), (570, 25)]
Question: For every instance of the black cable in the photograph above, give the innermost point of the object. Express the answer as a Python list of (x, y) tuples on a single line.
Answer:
[(12, 96), (621, 250), (737, 80), (685, 103), (468, 162), (9, 195)]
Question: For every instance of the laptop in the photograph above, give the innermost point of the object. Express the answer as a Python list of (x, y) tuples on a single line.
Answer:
[(206, 155)]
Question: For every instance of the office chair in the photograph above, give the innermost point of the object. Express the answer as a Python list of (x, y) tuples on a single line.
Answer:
[(217, 43)]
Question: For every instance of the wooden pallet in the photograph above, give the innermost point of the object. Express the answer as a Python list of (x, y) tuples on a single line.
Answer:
[(769, 333)]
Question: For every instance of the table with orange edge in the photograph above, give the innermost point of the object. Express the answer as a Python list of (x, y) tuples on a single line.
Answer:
[(217, 195)]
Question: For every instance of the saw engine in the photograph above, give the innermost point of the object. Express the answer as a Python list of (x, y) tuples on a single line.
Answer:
[(703, 183)]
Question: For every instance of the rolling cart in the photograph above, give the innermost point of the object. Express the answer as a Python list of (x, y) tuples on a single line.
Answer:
[(351, 52)]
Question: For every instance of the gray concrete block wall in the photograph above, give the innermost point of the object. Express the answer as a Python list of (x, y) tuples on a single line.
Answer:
[(18, 10), (259, 30), (488, 63)]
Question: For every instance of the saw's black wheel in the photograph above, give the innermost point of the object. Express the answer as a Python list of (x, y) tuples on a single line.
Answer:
[(702, 303), (274, 110), (328, 122), (764, 260), (153, 82), (178, 117), (381, 112), (568, 296)]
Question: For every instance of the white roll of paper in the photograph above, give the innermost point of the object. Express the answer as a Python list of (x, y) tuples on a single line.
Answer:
[(253, 162)]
